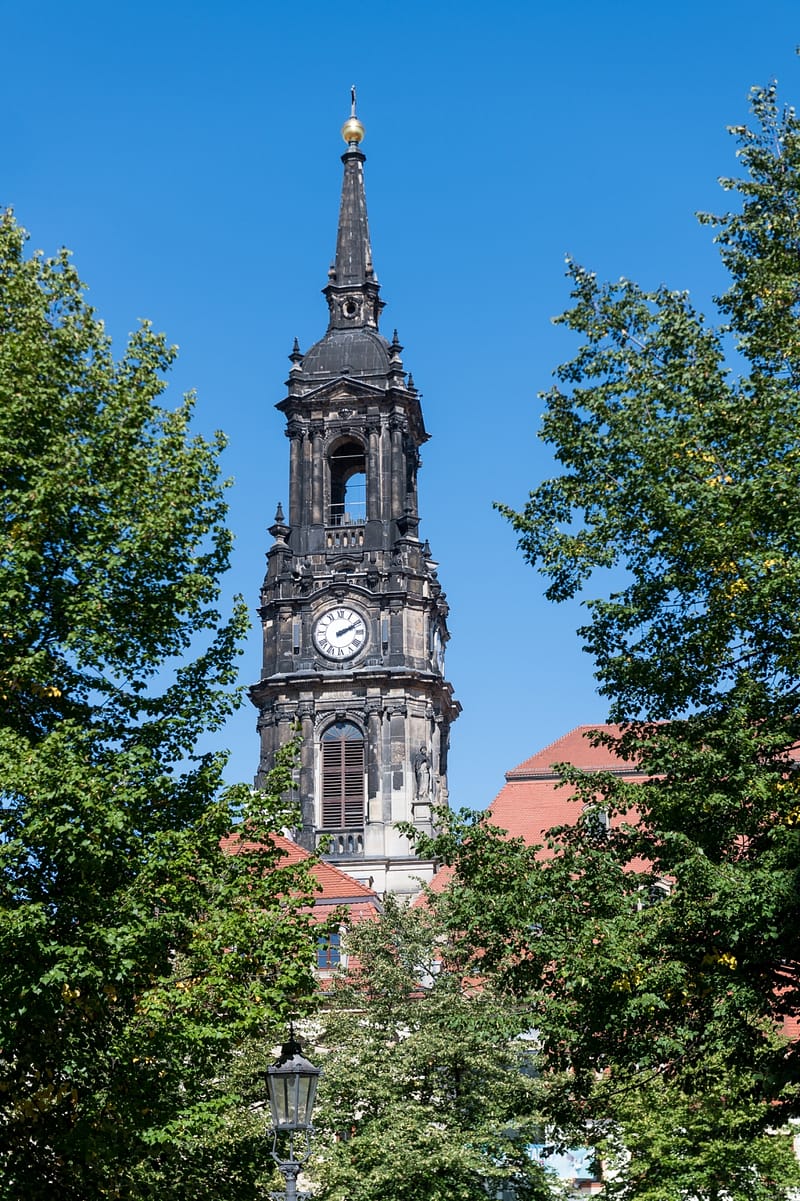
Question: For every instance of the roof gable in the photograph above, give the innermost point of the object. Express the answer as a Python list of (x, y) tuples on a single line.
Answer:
[(336, 888)]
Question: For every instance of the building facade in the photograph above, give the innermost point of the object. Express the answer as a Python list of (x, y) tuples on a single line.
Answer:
[(354, 617)]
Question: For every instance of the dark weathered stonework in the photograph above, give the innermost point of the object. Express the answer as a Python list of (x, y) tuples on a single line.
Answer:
[(353, 415)]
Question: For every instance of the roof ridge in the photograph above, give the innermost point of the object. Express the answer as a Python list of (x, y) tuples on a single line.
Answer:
[(556, 742)]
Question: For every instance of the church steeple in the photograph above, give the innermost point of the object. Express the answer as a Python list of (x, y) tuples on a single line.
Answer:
[(353, 290), (354, 617)]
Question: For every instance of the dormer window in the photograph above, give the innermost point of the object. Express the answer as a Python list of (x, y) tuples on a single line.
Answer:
[(654, 893), (329, 951), (660, 890)]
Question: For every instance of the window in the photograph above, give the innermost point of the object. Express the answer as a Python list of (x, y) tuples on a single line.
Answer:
[(660, 890), (342, 756), (348, 468), (329, 950), (595, 821)]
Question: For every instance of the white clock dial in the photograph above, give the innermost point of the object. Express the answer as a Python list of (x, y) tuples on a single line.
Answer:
[(340, 633)]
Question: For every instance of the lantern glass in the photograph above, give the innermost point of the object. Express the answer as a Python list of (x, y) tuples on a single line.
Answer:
[(292, 1085)]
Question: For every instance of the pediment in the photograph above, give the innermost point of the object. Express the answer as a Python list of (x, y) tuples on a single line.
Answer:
[(344, 387)]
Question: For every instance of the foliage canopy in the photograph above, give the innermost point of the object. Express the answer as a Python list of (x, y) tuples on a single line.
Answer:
[(675, 517), (134, 956), (428, 1089)]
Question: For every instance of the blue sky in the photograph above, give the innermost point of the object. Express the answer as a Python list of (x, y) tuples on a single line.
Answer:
[(188, 154)]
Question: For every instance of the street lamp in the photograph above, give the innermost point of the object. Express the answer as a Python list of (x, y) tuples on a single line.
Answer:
[(292, 1085)]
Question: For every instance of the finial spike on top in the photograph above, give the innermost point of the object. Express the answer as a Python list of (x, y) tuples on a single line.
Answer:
[(279, 529), (352, 130)]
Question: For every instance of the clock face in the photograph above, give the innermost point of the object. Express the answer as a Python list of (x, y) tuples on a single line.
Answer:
[(340, 633)]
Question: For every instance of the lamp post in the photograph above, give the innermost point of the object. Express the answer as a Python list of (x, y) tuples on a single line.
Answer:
[(292, 1086)]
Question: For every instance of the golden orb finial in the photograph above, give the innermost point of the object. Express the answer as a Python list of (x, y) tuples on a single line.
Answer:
[(353, 130)]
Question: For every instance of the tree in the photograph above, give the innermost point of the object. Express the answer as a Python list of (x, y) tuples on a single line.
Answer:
[(427, 1090), (634, 1055), (702, 1140), (134, 956), (679, 447)]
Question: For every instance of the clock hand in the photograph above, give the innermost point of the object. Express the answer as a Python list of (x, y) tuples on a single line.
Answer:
[(346, 630)]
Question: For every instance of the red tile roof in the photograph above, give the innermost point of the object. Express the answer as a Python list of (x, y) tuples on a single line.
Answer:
[(336, 888), (533, 799), (791, 1027), (438, 884), (576, 748)]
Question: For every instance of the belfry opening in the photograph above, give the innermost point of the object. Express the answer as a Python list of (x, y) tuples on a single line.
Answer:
[(348, 484)]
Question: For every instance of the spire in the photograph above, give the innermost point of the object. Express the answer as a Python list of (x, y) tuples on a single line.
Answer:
[(352, 289)]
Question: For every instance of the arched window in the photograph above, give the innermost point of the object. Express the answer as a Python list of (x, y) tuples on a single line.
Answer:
[(348, 467), (342, 777)]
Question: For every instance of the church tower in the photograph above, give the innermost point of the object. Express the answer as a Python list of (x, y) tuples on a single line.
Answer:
[(354, 618)]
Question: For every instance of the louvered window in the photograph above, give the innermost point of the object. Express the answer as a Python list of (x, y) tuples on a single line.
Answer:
[(342, 777)]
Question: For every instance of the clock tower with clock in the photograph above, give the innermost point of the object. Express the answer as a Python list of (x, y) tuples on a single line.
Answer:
[(354, 618)]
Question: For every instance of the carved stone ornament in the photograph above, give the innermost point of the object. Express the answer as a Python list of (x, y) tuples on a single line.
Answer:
[(350, 308)]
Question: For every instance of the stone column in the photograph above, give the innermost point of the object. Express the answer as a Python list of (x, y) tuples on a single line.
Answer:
[(397, 427), (396, 632), (386, 473), (295, 434), (438, 782), (306, 790), (283, 731), (373, 430), (317, 474), (400, 783), (374, 735)]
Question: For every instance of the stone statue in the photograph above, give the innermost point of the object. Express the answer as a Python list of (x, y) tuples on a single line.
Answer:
[(422, 774)]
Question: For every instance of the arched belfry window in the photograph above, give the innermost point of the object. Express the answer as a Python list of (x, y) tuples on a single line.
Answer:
[(348, 483), (342, 759)]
